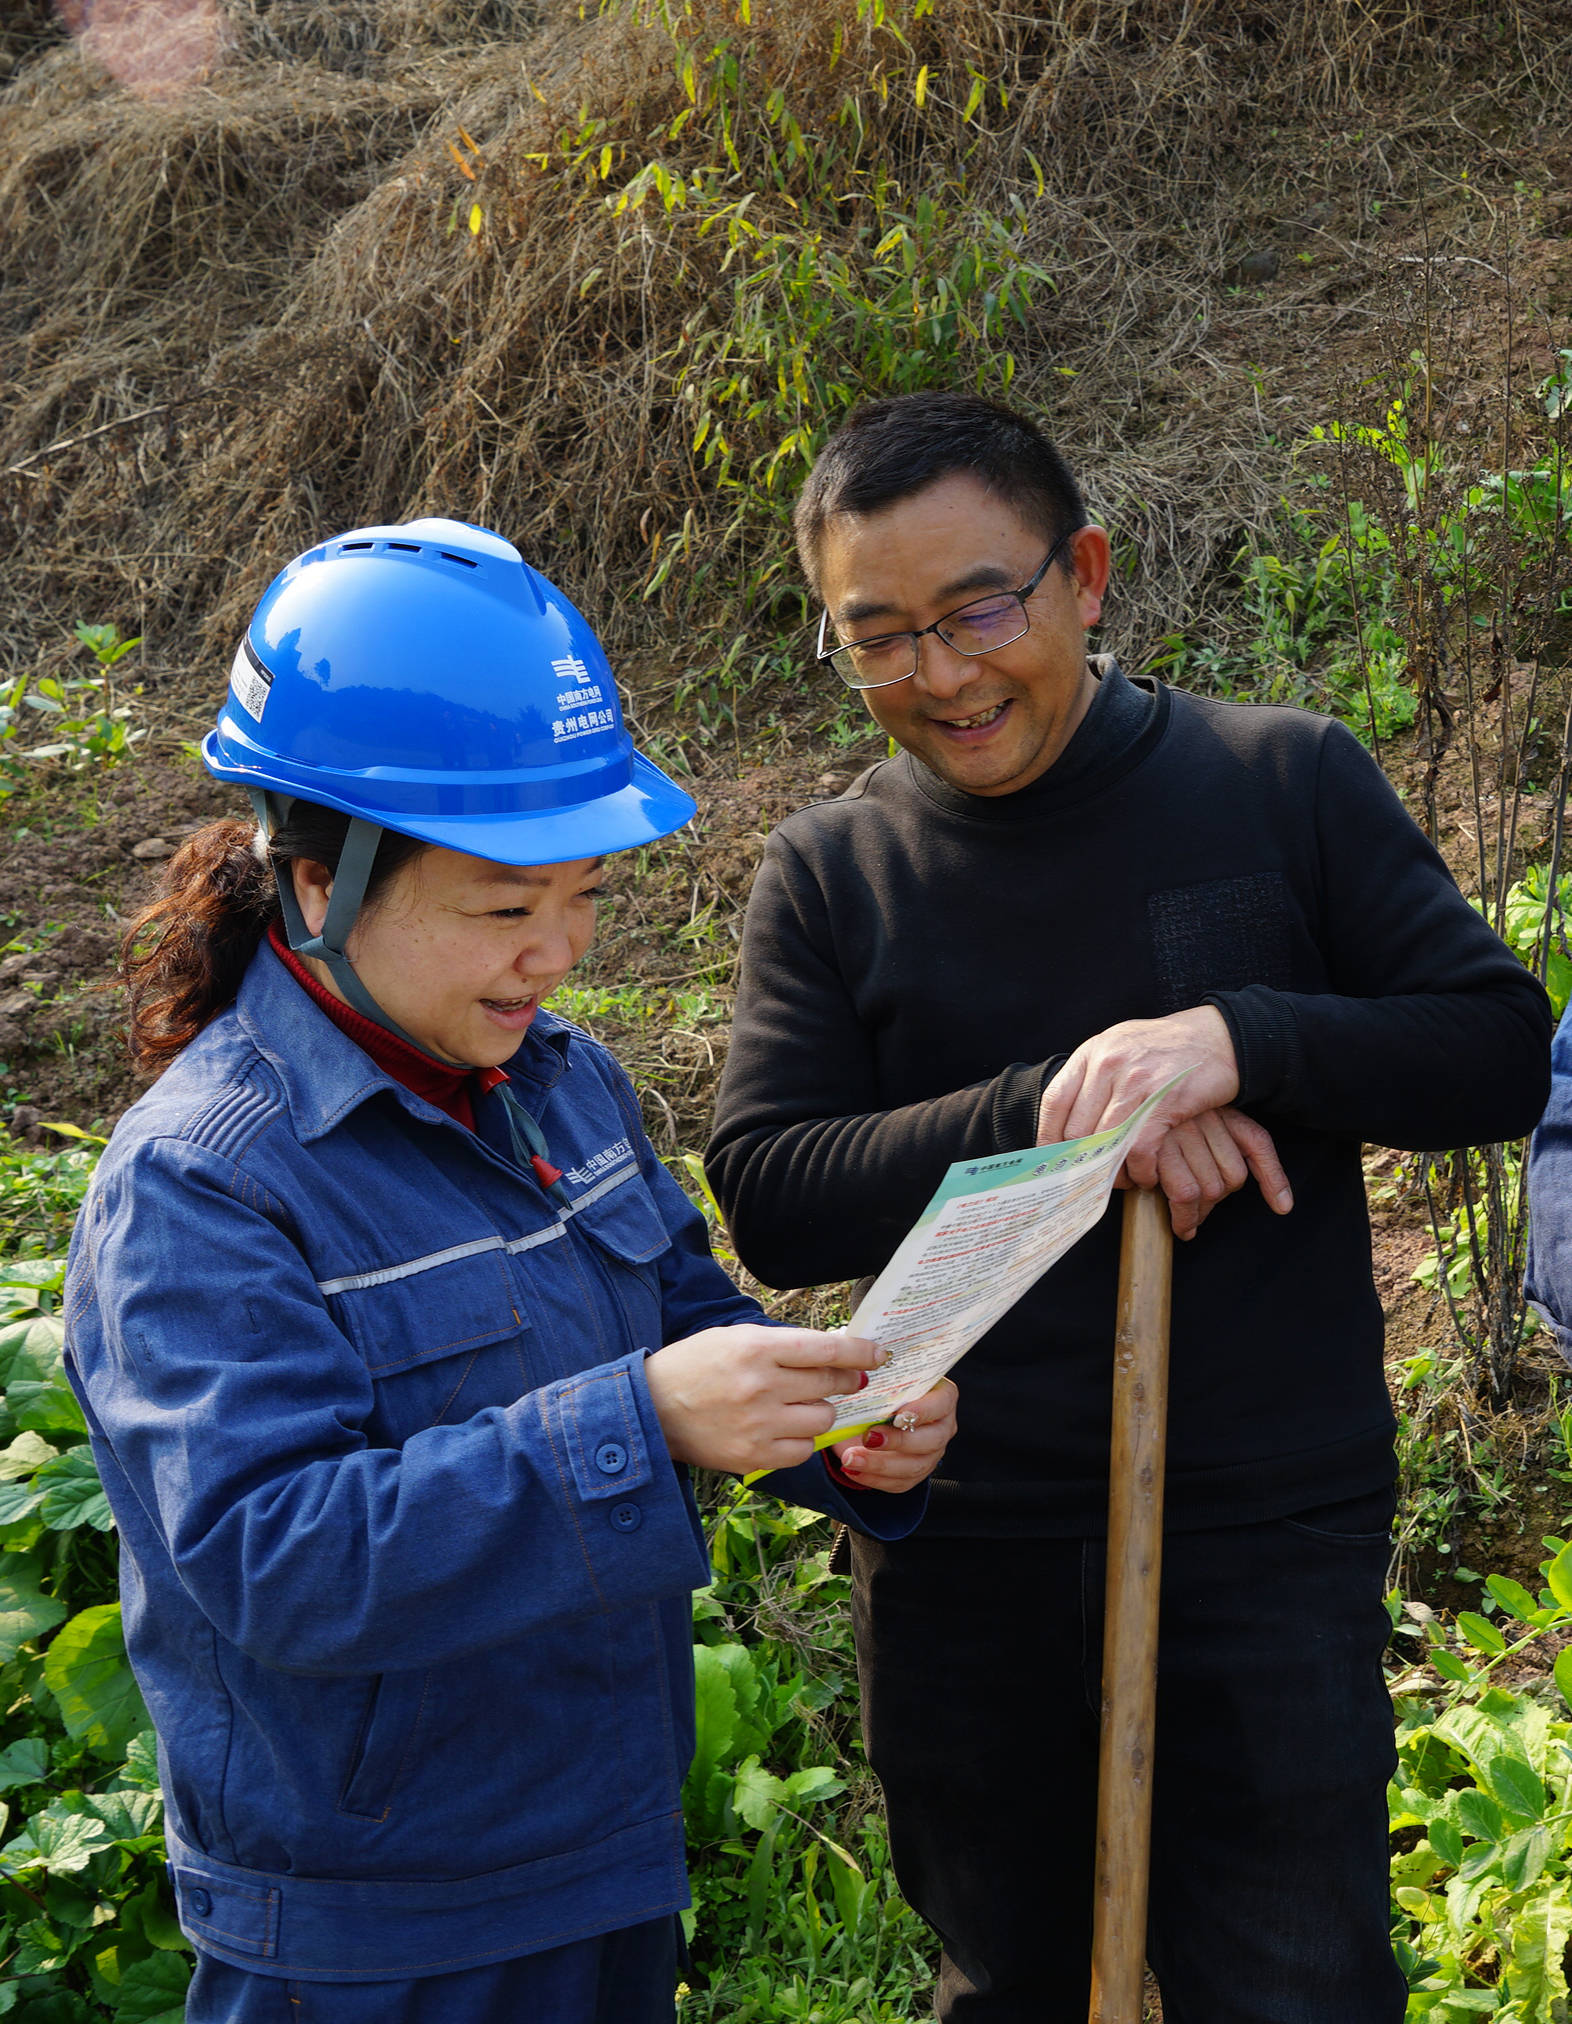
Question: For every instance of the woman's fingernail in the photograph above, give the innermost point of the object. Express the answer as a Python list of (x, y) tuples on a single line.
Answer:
[(862, 1380), (873, 1440)]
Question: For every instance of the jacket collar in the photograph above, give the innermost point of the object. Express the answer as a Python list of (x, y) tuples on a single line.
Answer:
[(325, 1075)]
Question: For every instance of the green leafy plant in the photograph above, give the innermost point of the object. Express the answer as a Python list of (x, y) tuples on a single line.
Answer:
[(86, 1927), (1467, 566), (1481, 1809), (82, 719), (796, 1910), (1533, 924), (1297, 638)]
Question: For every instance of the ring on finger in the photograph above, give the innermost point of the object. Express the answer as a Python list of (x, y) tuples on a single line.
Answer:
[(905, 1423)]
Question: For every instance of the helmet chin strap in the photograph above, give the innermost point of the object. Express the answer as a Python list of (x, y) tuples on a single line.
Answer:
[(344, 903)]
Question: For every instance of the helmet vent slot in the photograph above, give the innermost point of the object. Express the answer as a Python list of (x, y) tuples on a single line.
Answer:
[(350, 546), (406, 547), (468, 564)]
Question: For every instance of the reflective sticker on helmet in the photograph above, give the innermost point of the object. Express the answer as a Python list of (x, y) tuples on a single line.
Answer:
[(250, 680)]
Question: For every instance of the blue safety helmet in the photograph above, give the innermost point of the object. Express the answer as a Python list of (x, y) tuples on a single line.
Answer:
[(425, 679)]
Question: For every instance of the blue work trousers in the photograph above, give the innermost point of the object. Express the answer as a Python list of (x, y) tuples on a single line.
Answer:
[(981, 1670), (626, 1977)]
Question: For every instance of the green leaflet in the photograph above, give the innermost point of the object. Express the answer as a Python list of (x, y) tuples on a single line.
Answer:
[(1515, 1786), (57, 1840), (126, 1816), (25, 1454), (30, 1348), (1480, 1632), (1534, 1978), (71, 1494), (23, 1763), (25, 1611), (757, 1794), (87, 1673), (153, 1991)]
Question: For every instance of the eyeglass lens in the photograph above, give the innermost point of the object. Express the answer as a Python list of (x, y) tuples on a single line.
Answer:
[(975, 629)]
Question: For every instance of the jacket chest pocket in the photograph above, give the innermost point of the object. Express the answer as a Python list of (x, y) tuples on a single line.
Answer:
[(440, 1341), (624, 1228)]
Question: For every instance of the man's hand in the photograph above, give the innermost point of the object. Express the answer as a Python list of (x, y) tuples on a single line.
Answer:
[(751, 1397), (901, 1455), (1194, 1146)]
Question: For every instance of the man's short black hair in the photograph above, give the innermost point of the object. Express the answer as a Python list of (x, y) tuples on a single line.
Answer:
[(889, 450)]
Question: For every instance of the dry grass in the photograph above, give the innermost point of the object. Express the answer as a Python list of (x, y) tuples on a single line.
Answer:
[(236, 314)]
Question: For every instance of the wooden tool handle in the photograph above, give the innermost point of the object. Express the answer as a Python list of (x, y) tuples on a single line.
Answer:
[(1135, 1555)]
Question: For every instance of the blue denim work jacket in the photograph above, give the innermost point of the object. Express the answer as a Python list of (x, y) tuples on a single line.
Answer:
[(1548, 1275), (405, 1563)]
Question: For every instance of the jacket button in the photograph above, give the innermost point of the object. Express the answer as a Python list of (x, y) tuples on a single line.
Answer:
[(200, 1902), (627, 1517), (611, 1458)]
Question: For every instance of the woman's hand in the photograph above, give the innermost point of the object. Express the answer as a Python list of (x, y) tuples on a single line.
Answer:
[(899, 1456), (751, 1397)]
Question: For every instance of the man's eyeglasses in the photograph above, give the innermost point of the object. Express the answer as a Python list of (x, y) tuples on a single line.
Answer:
[(997, 620)]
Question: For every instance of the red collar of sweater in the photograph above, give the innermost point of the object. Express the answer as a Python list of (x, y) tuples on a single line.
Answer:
[(448, 1089)]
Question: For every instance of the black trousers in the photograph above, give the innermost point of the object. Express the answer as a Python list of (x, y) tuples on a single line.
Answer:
[(981, 1664)]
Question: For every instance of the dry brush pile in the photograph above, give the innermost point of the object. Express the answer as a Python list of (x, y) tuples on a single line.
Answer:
[(240, 311)]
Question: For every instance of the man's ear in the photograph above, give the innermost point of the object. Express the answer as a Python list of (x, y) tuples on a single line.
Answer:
[(313, 889), (1090, 561)]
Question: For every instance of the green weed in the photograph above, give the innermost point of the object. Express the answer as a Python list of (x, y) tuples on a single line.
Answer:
[(82, 718), (86, 1927), (1481, 1807), (796, 1910)]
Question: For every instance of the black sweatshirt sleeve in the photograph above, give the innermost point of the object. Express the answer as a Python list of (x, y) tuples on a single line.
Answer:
[(816, 1182), (1432, 1034)]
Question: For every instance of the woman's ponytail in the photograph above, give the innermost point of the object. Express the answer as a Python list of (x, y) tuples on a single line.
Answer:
[(183, 956)]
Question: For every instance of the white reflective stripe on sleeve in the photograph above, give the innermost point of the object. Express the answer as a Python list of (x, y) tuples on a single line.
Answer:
[(357, 1282)]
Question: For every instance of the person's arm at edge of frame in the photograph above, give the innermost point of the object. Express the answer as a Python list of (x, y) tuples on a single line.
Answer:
[(1548, 1275), (816, 1182)]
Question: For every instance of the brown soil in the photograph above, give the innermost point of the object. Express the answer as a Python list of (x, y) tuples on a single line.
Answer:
[(77, 857)]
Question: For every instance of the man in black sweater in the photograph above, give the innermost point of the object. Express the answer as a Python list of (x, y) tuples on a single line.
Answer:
[(1066, 888)]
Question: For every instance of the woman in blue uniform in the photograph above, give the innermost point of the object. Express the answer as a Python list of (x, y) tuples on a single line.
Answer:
[(394, 1335)]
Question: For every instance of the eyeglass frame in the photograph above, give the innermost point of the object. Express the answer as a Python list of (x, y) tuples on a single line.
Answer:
[(917, 634)]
